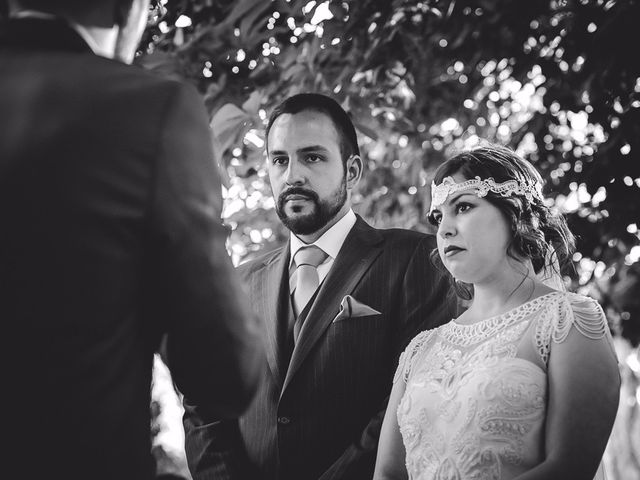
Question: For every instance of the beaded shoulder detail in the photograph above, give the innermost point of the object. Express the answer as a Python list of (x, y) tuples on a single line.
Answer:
[(407, 358), (468, 335), (570, 310)]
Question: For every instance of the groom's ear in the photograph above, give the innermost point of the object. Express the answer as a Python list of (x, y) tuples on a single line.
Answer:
[(354, 168)]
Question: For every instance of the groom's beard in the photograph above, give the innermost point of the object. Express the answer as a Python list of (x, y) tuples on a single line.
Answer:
[(322, 213)]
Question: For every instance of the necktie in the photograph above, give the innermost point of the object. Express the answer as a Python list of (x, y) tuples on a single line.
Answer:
[(306, 278)]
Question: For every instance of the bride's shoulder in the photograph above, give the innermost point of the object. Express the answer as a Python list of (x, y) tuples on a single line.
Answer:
[(571, 303), (408, 356), (569, 309), (417, 343), (564, 312)]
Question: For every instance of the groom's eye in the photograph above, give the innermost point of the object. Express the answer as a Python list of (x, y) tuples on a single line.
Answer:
[(280, 160), (313, 158)]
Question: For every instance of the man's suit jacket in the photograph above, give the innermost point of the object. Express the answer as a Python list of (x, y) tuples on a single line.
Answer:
[(110, 240), (319, 414)]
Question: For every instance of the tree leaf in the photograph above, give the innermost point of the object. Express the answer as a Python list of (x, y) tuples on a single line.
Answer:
[(229, 124), (253, 103)]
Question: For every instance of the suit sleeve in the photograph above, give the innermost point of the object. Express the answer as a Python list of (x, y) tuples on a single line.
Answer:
[(214, 448), (212, 346), (425, 301)]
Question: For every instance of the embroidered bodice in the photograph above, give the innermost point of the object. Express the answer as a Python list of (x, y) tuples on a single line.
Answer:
[(475, 397)]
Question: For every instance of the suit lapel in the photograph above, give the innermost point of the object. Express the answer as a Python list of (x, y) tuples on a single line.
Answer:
[(361, 247), (269, 286)]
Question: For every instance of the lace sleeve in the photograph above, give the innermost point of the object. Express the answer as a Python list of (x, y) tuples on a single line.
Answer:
[(554, 325), (407, 358)]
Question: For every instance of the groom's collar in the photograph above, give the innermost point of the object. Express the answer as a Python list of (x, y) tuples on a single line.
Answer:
[(331, 241)]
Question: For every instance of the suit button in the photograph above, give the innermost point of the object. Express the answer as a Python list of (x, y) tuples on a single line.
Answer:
[(284, 420)]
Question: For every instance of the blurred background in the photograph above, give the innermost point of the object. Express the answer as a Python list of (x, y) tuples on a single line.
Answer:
[(557, 80)]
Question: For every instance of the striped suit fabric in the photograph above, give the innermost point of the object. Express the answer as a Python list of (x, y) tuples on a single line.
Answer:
[(318, 412)]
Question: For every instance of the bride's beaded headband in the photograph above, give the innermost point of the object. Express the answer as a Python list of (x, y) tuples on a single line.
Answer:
[(439, 193)]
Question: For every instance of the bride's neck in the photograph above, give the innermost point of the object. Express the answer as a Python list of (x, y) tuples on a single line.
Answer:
[(503, 293)]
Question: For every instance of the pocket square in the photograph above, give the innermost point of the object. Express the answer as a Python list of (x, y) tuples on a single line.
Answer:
[(351, 308)]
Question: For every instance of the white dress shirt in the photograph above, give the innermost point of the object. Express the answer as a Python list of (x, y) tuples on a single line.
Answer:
[(330, 242)]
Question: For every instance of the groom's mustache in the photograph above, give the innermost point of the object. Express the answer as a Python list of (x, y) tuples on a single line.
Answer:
[(304, 192)]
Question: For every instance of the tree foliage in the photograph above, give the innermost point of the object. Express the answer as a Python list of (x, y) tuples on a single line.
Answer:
[(421, 79), (553, 79)]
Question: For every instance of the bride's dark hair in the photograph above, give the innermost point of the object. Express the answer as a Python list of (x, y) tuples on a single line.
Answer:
[(539, 233)]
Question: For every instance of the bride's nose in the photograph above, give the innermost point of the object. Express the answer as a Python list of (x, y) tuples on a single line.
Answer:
[(447, 227)]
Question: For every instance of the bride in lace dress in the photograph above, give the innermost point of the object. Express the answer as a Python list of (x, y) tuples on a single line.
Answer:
[(524, 384)]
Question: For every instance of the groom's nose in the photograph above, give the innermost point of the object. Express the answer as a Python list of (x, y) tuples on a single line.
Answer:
[(294, 174)]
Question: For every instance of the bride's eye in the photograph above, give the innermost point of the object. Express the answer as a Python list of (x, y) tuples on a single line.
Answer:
[(463, 207)]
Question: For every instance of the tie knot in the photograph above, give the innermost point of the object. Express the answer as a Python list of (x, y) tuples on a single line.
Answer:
[(311, 255)]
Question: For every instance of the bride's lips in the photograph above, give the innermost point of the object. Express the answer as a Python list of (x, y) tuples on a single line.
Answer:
[(452, 250)]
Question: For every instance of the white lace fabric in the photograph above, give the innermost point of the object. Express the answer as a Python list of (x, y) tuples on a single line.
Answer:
[(439, 193), (475, 402)]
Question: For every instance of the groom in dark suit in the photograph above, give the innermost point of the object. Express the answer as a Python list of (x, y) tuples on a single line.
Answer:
[(331, 350), (111, 240)]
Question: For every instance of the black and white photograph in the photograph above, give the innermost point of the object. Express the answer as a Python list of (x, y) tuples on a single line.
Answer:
[(320, 240)]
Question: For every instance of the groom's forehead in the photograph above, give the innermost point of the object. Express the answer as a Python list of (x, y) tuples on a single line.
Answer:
[(303, 130)]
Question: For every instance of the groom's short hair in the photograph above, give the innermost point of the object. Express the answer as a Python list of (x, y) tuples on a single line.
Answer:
[(323, 104)]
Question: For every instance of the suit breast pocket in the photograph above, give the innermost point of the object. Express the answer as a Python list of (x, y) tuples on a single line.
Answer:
[(345, 319), (363, 325)]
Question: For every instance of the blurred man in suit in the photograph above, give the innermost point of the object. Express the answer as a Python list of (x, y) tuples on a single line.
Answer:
[(111, 240), (331, 350)]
